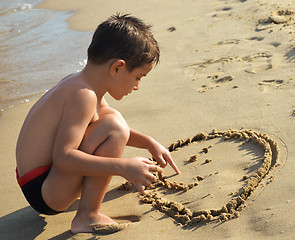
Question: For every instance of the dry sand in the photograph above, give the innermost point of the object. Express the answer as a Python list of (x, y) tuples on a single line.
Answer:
[(224, 64)]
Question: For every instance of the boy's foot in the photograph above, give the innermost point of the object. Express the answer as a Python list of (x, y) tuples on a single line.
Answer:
[(92, 223)]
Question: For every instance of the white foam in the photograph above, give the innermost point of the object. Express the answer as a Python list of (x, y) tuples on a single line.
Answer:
[(24, 7)]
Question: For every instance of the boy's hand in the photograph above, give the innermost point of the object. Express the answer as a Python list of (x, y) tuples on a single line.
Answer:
[(162, 156), (139, 170)]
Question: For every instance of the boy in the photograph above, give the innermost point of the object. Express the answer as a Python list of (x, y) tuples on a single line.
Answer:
[(71, 142)]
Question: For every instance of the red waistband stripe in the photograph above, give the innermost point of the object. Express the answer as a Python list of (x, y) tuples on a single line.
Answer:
[(31, 175)]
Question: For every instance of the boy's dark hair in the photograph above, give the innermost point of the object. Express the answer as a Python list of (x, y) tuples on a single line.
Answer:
[(124, 37)]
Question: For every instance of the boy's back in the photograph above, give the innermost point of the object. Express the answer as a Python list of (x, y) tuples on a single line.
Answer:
[(37, 137)]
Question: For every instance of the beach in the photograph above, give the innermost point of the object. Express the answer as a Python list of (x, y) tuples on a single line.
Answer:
[(222, 98)]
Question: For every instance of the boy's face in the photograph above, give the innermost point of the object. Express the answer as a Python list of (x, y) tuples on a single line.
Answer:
[(127, 81)]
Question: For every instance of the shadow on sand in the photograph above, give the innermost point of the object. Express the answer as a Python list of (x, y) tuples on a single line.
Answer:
[(28, 224), (22, 224)]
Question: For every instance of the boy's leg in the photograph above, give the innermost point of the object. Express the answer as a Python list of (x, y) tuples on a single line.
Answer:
[(106, 137), (94, 188)]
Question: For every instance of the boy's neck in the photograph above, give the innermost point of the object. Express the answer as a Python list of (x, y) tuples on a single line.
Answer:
[(97, 77)]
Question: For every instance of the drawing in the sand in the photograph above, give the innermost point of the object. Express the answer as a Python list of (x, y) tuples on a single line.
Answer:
[(188, 217)]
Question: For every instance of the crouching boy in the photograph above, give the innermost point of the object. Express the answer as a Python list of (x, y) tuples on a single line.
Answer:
[(72, 141)]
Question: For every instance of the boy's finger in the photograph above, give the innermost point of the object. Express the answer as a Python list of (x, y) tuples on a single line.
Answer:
[(151, 178), (147, 161), (162, 162), (140, 189), (172, 164), (155, 168)]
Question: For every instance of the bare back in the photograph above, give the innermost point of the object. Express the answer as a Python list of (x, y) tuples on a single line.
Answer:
[(37, 137)]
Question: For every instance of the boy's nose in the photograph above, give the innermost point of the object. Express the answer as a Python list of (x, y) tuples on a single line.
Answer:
[(136, 86)]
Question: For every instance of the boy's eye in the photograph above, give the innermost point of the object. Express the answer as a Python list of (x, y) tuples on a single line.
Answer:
[(137, 79)]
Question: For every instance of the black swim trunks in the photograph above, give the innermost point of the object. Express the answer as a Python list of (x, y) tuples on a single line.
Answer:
[(31, 184)]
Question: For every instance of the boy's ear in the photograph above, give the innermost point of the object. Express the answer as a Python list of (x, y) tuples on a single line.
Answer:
[(116, 66)]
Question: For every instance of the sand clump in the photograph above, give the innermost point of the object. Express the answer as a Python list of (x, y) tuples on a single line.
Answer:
[(208, 160), (192, 158), (125, 186), (178, 186), (232, 209), (284, 16), (105, 229)]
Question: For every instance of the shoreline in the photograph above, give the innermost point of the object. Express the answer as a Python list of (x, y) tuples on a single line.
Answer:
[(39, 49)]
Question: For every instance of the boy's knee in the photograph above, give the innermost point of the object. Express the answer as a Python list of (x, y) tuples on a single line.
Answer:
[(110, 125), (119, 129), (117, 126)]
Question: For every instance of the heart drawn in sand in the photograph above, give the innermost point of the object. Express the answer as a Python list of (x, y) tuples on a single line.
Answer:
[(192, 212)]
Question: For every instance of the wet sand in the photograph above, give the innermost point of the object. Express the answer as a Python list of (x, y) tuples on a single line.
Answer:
[(224, 65)]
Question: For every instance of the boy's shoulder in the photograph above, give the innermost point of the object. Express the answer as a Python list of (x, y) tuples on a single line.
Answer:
[(78, 90), (72, 93), (74, 84)]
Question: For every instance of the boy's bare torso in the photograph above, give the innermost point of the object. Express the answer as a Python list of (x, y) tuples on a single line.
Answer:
[(37, 138)]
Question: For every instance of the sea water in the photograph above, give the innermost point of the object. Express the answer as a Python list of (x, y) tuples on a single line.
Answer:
[(37, 49)]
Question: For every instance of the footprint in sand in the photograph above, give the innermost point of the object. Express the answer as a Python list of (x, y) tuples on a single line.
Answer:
[(216, 81), (227, 42), (290, 55), (220, 171), (275, 84), (258, 62), (210, 65), (216, 63), (271, 84), (256, 38), (222, 12), (279, 17), (252, 64)]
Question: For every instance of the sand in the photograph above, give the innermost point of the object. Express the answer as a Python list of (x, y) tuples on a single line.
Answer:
[(224, 64)]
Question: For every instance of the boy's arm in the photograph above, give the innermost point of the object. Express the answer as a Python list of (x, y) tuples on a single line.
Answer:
[(68, 158), (140, 140), (76, 116), (161, 154)]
